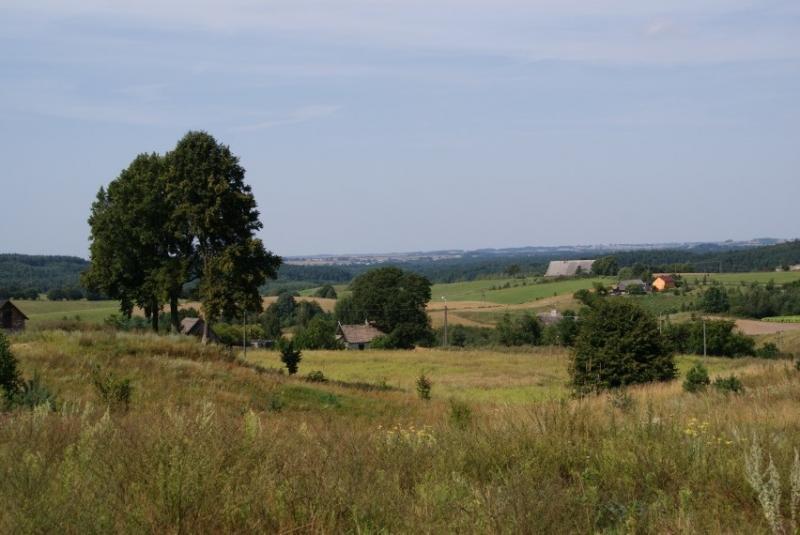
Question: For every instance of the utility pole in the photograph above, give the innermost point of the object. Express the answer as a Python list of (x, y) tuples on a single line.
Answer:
[(244, 335), (445, 320)]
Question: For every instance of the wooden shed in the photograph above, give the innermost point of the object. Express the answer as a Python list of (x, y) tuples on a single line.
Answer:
[(357, 336), (663, 282), (194, 327), (11, 317)]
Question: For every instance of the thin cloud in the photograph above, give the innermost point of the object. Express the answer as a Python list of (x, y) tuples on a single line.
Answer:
[(300, 115)]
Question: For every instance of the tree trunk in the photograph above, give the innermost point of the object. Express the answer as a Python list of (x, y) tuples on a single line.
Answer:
[(173, 312), (204, 340), (154, 317)]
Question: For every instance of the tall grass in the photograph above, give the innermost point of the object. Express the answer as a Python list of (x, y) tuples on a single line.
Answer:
[(200, 451)]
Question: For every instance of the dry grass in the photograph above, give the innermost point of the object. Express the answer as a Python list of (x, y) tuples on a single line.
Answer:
[(210, 446)]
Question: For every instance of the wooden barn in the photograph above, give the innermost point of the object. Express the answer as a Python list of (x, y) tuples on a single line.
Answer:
[(11, 318), (357, 336), (194, 327)]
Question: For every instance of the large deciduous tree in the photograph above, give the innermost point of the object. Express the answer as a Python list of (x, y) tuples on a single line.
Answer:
[(166, 221), (214, 216), (394, 300), (133, 253)]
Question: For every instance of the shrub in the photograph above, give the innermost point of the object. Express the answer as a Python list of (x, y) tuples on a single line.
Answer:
[(768, 351), (290, 356), (460, 414), (326, 292), (115, 392), (729, 384), (320, 333), (9, 375), (33, 393), (316, 377), (617, 345), (424, 387), (696, 378)]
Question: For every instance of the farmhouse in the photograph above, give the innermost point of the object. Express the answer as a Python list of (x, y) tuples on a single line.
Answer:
[(194, 327), (628, 285), (663, 282), (357, 336), (11, 318), (568, 268)]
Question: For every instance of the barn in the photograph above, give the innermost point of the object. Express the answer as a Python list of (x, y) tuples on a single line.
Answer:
[(11, 317), (663, 282), (357, 336), (568, 268), (194, 327)]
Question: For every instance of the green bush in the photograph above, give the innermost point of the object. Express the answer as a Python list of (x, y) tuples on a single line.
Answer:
[(290, 356), (114, 392), (618, 344), (729, 384), (33, 393), (696, 379), (424, 387), (768, 351), (9, 375), (460, 414), (316, 377)]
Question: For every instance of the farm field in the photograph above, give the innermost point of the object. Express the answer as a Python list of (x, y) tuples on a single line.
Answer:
[(481, 290), (763, 277), (783, 319), (42, 310)]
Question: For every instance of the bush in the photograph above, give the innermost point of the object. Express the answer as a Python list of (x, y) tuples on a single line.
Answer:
[(326, 292), (289, 355), (316, 377), (721, 338), (113, 391), (460, 414), (424, 387), (696, 379), (9, 375), (33, 393), (618, 344), (320, 333), (729, 384), (524, 330), (768, 351)]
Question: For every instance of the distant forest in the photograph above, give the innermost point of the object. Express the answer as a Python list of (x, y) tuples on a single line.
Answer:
[(28, 276)]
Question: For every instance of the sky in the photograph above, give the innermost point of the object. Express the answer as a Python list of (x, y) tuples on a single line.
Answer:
[(411, 125)]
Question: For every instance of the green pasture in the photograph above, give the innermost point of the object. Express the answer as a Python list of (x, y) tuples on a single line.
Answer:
[(43, 310)]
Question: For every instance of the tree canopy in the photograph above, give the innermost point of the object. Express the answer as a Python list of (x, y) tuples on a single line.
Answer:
[(174, 219), (394, 300), (618, 344)]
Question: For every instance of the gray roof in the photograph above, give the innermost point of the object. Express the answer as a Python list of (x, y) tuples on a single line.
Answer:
[(568, 268), (362, 333), (188, 324), (630, 282)]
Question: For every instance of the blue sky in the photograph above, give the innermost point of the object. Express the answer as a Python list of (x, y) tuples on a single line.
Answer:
[(388, 125)]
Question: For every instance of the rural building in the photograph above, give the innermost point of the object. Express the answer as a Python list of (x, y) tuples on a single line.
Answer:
[(357, 336), (550, 318), (11, 318), (194, 327), (663, 282), (795, 267), (568, 268), (625, 286)]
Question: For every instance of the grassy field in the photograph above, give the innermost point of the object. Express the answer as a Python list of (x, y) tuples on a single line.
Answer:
[(41, 311), (506, 376), (210, 445), (481, 290), (763, 277), (783, 319)]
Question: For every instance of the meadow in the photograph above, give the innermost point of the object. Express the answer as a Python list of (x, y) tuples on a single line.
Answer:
[(211, 444), (761, 277), (42, 311)]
